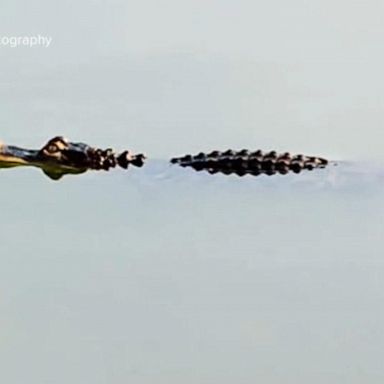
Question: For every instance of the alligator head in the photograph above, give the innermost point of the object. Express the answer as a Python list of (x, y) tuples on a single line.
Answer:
[(60, 157)]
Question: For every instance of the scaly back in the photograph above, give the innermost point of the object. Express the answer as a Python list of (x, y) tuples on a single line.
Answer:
[(246, 162)]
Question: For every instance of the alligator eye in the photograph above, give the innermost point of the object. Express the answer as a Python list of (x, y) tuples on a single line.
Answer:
[(52, 148)]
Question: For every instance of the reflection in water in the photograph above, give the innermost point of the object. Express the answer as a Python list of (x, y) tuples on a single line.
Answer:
[(164, 275), (60, 157)]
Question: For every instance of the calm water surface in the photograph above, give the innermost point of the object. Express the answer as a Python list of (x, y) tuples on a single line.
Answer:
[(163, 275)]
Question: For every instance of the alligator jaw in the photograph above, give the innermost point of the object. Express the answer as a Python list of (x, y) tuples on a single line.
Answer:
[(11, 156)]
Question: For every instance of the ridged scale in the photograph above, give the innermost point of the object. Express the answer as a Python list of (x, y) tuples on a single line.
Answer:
[(246, 162)]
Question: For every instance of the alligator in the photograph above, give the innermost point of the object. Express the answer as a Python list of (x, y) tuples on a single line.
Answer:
[(246, 162), (60, 157)]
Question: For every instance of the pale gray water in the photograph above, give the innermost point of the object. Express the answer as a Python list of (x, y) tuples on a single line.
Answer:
[(164, 275)]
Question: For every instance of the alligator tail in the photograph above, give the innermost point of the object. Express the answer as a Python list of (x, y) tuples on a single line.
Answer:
[(246, 162)]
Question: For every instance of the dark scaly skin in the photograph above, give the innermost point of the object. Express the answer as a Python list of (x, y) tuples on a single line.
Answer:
[(60, 157), (246, 162)]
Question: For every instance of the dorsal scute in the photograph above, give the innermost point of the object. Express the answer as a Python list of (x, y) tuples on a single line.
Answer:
[(250, 162)]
